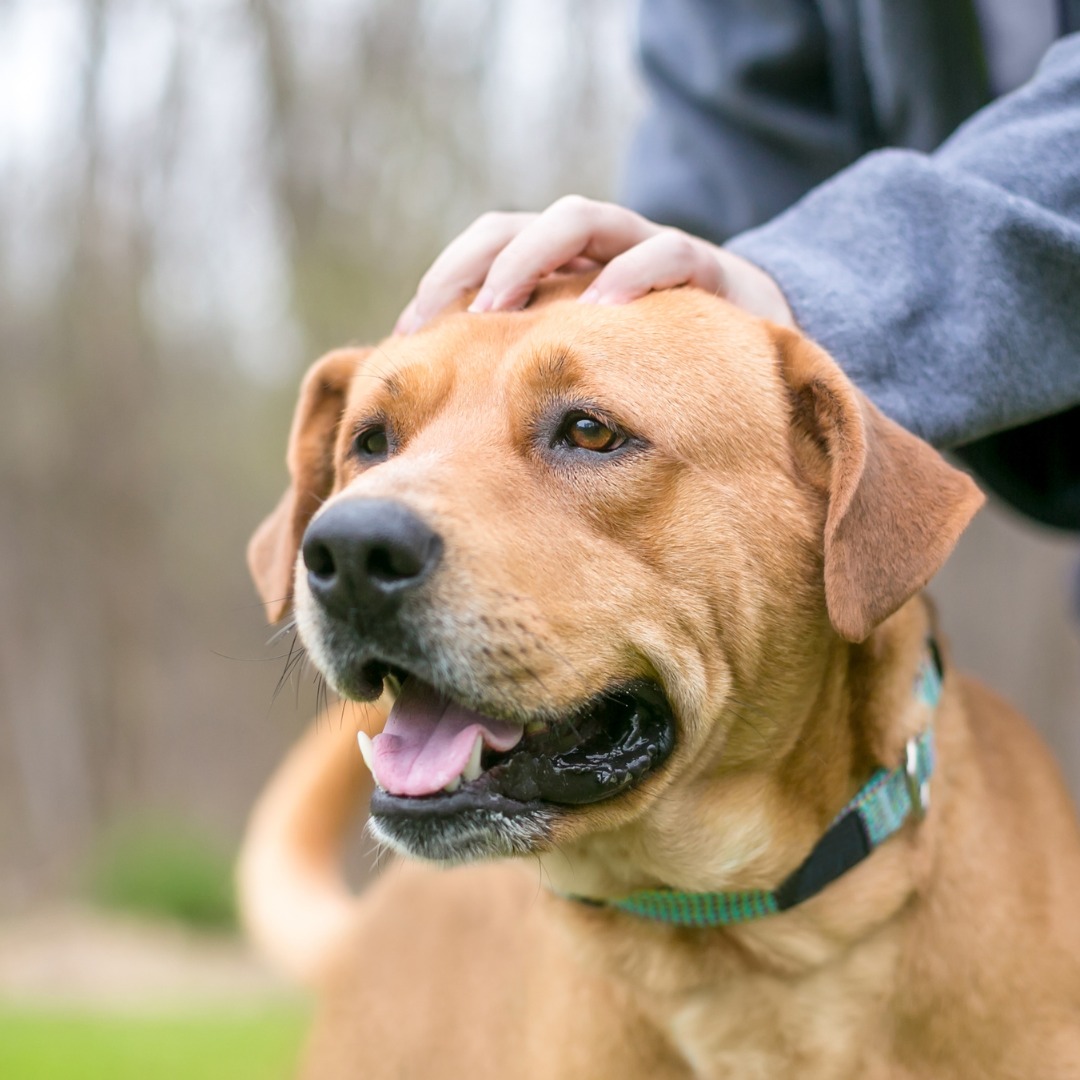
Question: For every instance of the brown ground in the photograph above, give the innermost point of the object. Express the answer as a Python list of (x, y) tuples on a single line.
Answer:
[(74, 956)]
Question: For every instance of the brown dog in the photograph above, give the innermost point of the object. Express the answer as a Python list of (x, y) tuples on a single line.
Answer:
[(645, 582)]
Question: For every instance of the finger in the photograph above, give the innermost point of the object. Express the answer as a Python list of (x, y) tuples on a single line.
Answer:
[(580, 265), (569, 229), (464, 263), (663, 261), (673, 258), (748, 286)]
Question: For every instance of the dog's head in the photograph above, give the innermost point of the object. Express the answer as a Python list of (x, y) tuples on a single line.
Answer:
[(600, 554)]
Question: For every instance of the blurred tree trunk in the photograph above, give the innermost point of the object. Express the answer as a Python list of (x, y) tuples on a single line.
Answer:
[(78, 557)]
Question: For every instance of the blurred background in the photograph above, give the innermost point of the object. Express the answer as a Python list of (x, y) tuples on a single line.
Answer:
[(198, 197)]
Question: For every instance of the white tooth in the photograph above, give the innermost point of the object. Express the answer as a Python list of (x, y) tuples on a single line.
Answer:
[(453, 785), (367, 751), (472, 770)]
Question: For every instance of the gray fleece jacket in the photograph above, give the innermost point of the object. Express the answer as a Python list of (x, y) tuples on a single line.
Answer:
[(944, 276)]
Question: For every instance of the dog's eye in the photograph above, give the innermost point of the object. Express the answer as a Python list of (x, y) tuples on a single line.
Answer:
[(372, 443), (587, 433)]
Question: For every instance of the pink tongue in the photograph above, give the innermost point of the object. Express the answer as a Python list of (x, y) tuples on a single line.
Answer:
[(427, 741)]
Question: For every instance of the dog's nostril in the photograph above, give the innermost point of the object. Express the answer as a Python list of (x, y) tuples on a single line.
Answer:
[(319, 559), (392, 563)]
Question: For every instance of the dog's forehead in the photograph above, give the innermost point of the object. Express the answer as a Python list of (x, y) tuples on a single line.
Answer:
[(674, 344), (680, 347)]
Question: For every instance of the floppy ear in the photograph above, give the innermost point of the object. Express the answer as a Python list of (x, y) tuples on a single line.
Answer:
[(272, 550), (895, 507)]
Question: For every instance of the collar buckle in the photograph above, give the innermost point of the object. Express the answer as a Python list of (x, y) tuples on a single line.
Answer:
[(918, 788)]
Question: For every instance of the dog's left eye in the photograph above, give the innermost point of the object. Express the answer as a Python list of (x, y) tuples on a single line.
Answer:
[(372, 443), (587, 433)]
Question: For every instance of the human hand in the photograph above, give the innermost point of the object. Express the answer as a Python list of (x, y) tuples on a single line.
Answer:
[(505, 255)]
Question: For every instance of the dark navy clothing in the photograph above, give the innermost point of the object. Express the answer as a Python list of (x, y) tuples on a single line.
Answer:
[(927, 237)]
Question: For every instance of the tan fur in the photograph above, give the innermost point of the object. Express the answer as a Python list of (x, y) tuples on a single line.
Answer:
[(762, 561), (295, 904), (272, 550)]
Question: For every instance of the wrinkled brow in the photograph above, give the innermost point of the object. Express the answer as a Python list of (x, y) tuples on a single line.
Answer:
[(416, 379), (554, 368), (393, 383)]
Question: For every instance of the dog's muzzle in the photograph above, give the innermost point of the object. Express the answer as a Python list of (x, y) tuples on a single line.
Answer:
[(445, 754)]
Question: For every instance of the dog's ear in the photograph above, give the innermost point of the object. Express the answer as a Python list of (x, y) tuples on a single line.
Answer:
[(272, 550), (895, 507)]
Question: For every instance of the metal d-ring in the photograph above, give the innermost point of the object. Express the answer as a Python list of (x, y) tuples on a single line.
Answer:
[(918, 790)]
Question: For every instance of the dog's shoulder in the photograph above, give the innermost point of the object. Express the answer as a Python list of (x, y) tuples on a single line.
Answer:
[(470, 968)]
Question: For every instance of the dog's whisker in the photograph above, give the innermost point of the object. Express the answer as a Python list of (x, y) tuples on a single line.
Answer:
[(539, 876), (296, 662), (282, 631), (248, 659), (380, 850), (741, 716), (382, 352), (538, 642), (566, 858), (257, 604), (306, 666), (555, 654), (741, 708), (321, 701), (534, 638), (520, 665), (543, 686), (289, 661)]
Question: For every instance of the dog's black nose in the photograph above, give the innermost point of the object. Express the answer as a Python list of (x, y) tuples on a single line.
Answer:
[(366, 554)]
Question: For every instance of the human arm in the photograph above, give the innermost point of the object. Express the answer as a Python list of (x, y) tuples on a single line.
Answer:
[(948, 285)]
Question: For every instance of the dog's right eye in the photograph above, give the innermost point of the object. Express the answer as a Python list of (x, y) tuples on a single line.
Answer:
[(582, 431), (372, 444)]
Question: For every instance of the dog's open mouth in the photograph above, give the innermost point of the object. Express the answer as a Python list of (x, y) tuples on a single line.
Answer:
[(438, 756)]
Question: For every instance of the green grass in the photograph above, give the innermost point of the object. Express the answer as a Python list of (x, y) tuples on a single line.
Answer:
[(220, 1045), (165, 870)]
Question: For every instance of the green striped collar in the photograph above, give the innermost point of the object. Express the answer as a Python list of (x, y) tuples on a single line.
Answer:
[(878, 811)]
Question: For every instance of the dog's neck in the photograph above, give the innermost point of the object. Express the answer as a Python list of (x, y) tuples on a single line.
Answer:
[(749, 828), (698, 984)]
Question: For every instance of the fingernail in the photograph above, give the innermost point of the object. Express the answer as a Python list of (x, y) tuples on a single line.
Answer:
[(482, 302), (603, 299)]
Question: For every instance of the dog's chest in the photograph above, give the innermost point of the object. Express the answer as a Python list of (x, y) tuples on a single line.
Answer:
[(827, 1026)]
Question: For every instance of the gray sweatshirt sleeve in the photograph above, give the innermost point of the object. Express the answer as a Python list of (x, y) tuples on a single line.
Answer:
[(948, 284)]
